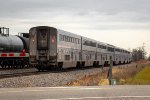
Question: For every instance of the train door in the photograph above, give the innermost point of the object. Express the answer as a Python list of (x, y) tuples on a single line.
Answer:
[(42, 39), (42, 45), (47, 46)]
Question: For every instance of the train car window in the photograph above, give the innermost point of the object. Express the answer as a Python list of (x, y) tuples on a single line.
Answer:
[(118, 50), (104, 47), (87, 57), (59, 55), (75, 40), (79, 41), (68, 39), (65, 38), (84, 42), (89, 43), (93, 44), (90, 56), (67, 57), (72, 39), (110, 49), (60, 37), (71, 55), (75, 57), (95, 56), (101, 46)]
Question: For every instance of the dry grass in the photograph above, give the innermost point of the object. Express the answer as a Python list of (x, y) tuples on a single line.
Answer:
[(121, 74), (90, 80)]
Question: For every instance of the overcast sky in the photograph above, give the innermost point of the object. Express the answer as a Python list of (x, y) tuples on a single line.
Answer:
[(124, 23)]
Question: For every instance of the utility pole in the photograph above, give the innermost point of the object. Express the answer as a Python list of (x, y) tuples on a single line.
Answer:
[(110, 70), (143, 51)]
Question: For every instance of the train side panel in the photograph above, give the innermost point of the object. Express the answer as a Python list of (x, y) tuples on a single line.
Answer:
[(89, 52), (68, 49)]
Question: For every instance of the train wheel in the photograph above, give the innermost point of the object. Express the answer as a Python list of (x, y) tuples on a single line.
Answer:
[(82, 65), (39, 68), (97, 64), (60, 66), (79, 65), (2, 66)]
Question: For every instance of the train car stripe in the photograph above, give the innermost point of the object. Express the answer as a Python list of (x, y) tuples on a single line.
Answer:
[(11, 54), (14, 55), (4, 54), (22, 54)]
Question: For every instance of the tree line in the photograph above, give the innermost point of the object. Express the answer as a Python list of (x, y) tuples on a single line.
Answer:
[(139, 53)]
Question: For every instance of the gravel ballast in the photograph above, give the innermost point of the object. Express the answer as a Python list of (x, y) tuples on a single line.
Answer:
[(49, 79)]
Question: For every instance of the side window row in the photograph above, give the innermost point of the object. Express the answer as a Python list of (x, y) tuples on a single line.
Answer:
[(69, 39), (101, 46), (89, 43)]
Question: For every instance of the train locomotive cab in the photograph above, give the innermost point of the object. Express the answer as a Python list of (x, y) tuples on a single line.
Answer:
[(43, 47)]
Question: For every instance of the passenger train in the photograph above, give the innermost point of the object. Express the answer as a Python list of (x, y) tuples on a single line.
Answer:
[(52, 47)]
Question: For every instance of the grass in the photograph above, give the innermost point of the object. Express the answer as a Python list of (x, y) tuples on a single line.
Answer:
[(141, 78)]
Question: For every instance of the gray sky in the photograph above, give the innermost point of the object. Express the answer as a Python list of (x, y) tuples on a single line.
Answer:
[(124, 23)]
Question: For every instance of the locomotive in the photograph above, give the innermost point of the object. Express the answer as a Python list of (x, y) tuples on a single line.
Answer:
[(13, 49), (52, 47)]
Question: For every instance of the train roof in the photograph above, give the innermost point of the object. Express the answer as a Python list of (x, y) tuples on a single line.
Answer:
[(68, 33), (43, 27), (73, 34)]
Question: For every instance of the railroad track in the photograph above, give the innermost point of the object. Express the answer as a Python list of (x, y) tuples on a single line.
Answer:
[(16, 75), (9, 73), (32, 71)]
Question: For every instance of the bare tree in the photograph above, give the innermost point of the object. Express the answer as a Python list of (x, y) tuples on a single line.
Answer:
[(149, 57), (139, 53)]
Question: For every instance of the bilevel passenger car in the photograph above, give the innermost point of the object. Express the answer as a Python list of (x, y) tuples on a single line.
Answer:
[(13, 49), (51, 47)]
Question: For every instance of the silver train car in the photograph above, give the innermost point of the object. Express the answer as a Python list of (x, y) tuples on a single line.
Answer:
[(51, 47)]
